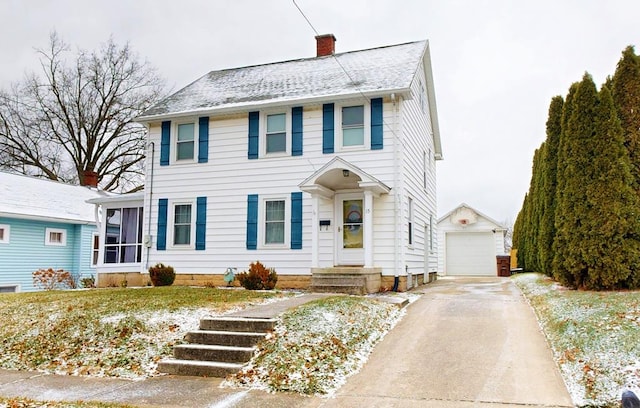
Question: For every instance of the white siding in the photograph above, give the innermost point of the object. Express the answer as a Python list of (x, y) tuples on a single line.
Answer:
[(418, 140), (229, 176)]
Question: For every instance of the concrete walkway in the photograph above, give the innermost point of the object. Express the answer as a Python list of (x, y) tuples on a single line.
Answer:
[(464, 343)]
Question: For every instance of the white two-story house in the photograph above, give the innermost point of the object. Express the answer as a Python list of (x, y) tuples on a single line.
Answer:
[(322, 165)]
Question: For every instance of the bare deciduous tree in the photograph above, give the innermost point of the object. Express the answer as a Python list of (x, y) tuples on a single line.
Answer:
[(76, 118)]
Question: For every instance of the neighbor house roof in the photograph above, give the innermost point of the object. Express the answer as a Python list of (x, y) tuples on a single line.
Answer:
[(39, 199)]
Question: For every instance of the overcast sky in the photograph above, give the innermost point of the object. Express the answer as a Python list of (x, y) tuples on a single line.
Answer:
[(496, 63)]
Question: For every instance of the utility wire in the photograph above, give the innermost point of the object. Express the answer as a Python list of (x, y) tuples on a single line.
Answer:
[(355, 85)]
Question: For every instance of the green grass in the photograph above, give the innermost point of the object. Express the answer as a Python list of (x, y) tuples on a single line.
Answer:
[(595, 337), (106, 332)]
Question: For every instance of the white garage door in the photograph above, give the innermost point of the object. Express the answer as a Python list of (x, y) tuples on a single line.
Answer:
[(470, 253)]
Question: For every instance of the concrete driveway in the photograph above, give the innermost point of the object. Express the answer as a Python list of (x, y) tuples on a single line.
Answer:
[(467, 342)]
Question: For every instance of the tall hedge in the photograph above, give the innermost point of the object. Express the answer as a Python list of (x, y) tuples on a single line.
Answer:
[(546, 229), (580, 220)]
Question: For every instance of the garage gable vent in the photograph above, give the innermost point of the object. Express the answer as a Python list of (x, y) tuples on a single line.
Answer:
[(464, 216)]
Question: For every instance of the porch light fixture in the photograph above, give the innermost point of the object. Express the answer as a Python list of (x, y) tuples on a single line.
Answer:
[(345, 173)]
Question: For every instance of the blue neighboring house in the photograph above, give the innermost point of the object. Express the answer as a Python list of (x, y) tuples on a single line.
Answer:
[(44, 224)]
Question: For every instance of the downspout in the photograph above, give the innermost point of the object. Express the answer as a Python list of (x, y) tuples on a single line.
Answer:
[(147, 240), (396, 183), (98, 215)]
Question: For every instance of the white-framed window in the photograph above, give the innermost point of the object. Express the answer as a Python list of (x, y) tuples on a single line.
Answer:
[(410, 221), (275, 221), (354, 126), (95, 248), (275, 133), (5, 231), (186, 148), (123, 235), (55, 236), (183, 224)]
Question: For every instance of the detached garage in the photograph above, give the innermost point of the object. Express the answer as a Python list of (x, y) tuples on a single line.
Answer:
[(472, 241)]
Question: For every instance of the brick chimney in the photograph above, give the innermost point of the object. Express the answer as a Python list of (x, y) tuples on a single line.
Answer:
[(89, 179), (326, 45)]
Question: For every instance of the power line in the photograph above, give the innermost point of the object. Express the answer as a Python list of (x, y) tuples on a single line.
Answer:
[(355, 85), (305, 17)]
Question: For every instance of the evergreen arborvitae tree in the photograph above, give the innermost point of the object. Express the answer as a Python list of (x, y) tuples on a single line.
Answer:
[(535, 214), (579, 135), (548, 189), (609, 244), (518, 233), (626, 97), (562, 216)]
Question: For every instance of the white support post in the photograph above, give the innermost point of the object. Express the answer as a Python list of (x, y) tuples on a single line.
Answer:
[(368, 229), (315, 228)]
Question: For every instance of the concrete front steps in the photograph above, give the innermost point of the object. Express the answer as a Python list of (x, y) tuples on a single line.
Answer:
[(350, 280), (222, 346)]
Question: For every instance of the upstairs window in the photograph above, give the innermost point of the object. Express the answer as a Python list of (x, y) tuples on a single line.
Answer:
[(276, 133), (353, 126), (185, 141), (182, 224)]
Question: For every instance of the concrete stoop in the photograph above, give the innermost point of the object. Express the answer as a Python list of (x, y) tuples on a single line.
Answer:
[(222, 346), (349, 280)]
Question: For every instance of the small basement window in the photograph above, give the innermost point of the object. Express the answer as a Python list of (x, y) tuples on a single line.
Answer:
[(55, 237), (8, 288), (4, 234)]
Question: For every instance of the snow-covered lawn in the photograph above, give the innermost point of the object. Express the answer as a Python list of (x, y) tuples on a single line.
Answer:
[(107, 332), (595, 337), (317, 346)]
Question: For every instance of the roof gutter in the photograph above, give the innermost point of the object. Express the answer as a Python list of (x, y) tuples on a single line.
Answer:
[(271, 103), (47, 219)]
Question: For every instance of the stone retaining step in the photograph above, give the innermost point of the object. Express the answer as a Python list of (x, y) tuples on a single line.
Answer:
[(237, 324), (224, 338), (198, 368)]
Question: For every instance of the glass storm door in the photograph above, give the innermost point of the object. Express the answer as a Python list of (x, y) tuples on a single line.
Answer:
[(350, 239)]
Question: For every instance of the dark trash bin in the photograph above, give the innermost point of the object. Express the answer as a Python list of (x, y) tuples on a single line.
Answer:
[(504, 265)]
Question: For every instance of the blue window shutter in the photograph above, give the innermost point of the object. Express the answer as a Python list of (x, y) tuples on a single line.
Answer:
[(203, 139), (201, 223), (165, 143), (296, 131), (252, 221), (327, 128), (296, 220), (376, 124), (254, 120), (161, 242)]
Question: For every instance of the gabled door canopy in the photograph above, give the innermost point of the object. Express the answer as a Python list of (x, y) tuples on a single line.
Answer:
[(339, 174)]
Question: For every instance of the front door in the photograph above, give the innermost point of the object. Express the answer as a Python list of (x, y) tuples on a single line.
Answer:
[(350, 231)]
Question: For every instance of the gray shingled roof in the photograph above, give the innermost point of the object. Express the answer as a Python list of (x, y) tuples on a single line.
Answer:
[(371, 71)]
